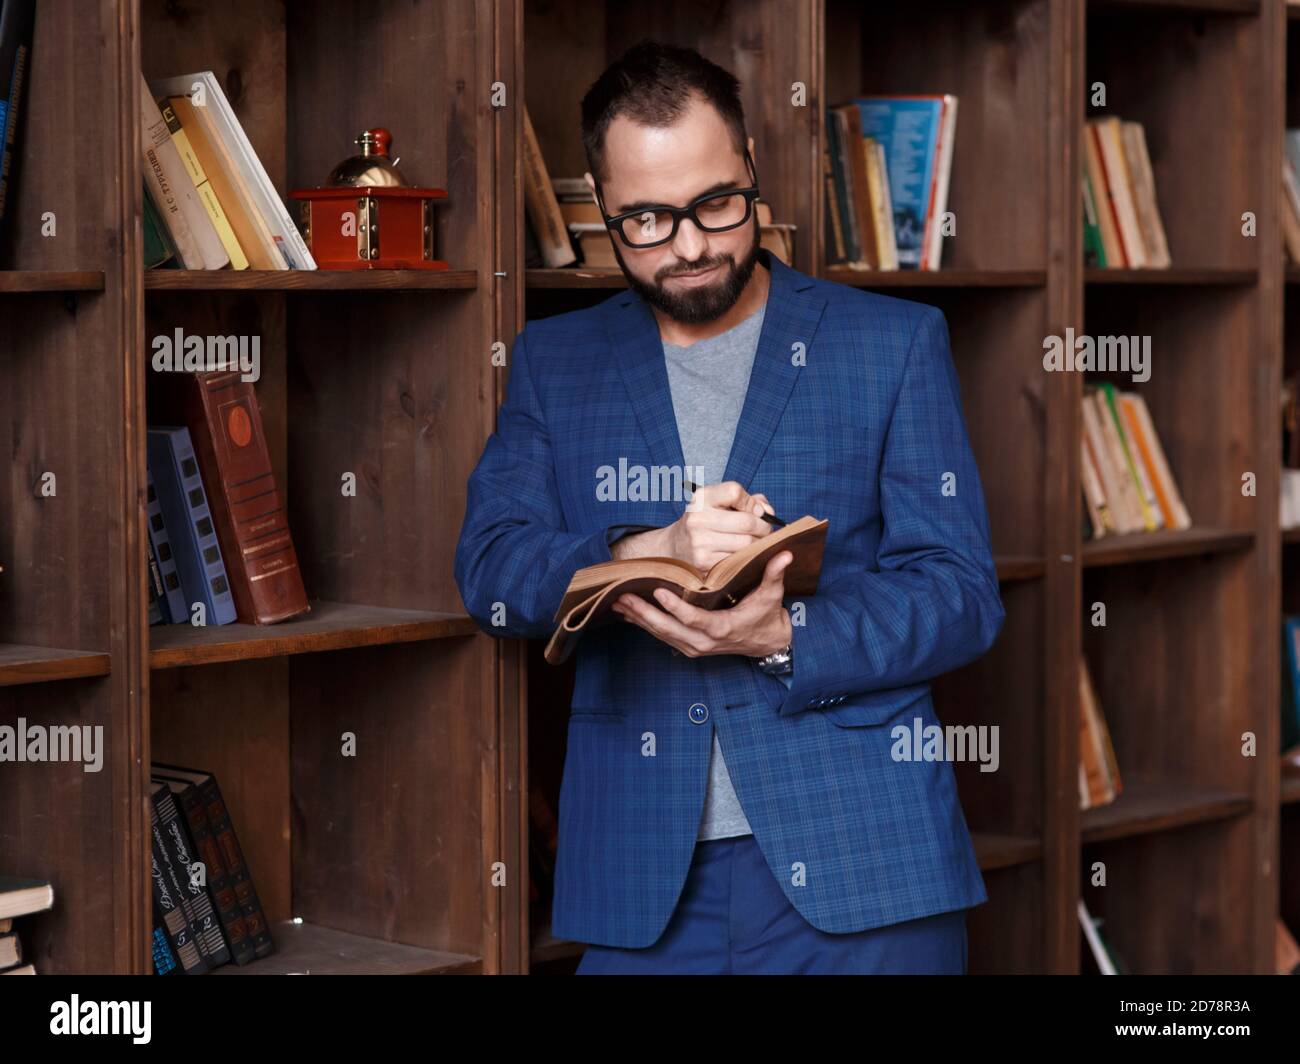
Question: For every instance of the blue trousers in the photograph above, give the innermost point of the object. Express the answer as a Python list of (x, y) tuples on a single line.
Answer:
[(733, 919)]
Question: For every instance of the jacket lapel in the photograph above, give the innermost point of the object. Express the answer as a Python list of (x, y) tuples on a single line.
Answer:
[(793, 312)]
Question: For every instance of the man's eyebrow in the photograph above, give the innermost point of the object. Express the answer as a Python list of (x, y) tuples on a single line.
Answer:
[(644, 205)]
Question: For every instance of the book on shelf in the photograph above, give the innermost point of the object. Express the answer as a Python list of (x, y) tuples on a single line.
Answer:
[(17, 28), (164, 957), (219, 884), (912, 138), (168, 897), (227, 858), (1099, 777), (593, 589), (159, 251), (1128, 485), (1122, 225), (19, 897), (259, 221), (185, 148), (540, 204), (174, 476), (174, 193), (191, 882), (252, 525), (171, 594)]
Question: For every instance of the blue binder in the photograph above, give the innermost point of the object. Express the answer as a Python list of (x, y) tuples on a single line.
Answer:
[(194, 536)]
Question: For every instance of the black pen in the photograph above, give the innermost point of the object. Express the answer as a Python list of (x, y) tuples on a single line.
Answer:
[(771, 519)]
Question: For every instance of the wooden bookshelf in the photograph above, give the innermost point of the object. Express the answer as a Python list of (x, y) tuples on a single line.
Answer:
[(388, 374), (375, 863)]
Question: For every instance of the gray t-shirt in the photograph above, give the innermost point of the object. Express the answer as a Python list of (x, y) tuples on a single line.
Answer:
[(709, 380)]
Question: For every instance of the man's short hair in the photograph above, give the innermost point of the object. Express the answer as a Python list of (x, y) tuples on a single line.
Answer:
[(653, 84)]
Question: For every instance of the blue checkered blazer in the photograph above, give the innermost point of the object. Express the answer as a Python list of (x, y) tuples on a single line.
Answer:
[(852, 414)]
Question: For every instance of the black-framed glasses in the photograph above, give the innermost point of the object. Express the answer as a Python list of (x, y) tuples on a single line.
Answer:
[(714, 212)]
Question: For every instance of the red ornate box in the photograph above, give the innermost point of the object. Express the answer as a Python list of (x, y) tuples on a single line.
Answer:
[(370, 228), (367, 217)]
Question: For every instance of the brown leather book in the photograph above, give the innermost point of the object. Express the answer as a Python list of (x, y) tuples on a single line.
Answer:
[(593, 590), (252, 525)]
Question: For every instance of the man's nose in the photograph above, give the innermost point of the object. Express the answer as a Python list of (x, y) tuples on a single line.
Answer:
[(689, 244)]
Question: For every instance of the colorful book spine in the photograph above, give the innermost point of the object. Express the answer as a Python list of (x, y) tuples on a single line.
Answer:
[(910, 129), (167, 896), (193, 890), (220, 885), (207, 196), (185, 509), (172, 601)]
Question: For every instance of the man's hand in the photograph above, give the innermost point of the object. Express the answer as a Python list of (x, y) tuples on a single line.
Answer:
[(757, 625), (721, 519)]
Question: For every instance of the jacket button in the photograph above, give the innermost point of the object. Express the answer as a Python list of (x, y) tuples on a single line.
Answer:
[(699, 713)]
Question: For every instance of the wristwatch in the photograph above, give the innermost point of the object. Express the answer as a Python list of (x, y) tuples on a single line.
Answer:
[(778, 663)]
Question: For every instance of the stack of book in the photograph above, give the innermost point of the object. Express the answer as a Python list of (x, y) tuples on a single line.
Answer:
[(1121, 219), (1099, 778), (209, 204), (206, 911), (564, 226), (18, 898), (886, 165), (1127, 483), (218, 544)]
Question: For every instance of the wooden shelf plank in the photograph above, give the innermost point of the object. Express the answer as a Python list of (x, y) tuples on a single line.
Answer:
[(1143, 809), (1174, 276), (26, 664), (1222, 7), (1005, 851), (1153, 546), (306, 949), (935, 278), (329, 626), (51, 280), (1012, 567), (1290, 788), (611, 278), (311, 280)]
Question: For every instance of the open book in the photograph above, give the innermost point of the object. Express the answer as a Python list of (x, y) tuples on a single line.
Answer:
[(594, 590)]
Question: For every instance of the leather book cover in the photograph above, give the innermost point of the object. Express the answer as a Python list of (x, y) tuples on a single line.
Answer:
[(252, 524), (593, 590)]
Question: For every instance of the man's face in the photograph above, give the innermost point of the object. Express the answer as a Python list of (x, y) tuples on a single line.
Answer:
[(697, 276)]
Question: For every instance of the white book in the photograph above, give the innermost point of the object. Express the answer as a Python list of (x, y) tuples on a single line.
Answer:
[(261, 191), (947, 137), (1094, 941), (168, 179)]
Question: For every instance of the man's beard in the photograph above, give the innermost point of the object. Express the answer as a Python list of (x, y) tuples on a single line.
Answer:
[(696, 305)]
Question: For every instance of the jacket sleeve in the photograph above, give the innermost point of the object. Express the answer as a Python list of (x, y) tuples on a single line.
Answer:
[(515, 556), (933, 603)]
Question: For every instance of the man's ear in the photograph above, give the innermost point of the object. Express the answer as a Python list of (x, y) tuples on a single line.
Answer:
[(750, 144)]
